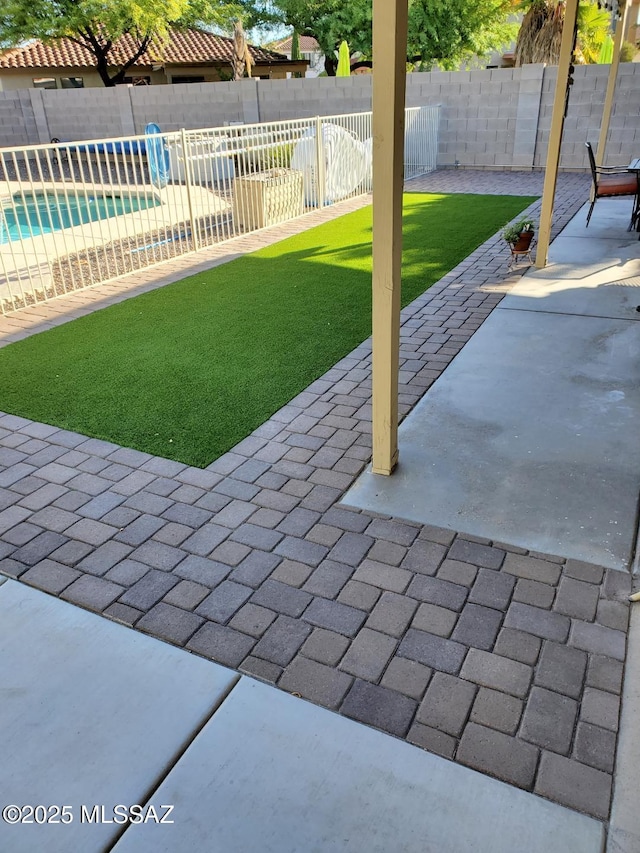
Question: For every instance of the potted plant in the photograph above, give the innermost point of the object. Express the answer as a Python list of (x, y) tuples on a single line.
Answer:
[(519, 235)]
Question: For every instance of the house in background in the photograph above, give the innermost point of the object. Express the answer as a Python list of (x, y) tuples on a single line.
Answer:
[(309, 50), (189, 56)]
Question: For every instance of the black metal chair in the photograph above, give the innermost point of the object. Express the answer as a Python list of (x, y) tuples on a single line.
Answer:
[(609, 181)]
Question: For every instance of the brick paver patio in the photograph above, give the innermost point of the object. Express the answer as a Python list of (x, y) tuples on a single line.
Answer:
[(506, 661)]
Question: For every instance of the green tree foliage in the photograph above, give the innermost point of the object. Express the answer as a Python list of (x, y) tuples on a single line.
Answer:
[(540, 34), (594, 27), (330, 22), (443, 32), (97, 25), (450, 32)]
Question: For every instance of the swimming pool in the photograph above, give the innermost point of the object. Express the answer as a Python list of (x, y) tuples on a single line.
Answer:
[(31, 214)]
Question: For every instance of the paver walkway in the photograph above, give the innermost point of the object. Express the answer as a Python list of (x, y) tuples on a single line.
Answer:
[(506, 661), (195, 742)]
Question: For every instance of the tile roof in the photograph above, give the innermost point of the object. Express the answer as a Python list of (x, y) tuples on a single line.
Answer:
[(184, 47), (307, 44)]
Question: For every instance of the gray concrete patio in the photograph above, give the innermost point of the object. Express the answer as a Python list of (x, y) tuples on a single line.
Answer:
[(496, 656), (231, 764), (529, 436)]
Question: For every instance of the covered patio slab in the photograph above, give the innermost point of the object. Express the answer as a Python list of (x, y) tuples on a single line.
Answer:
[(530, 435), (271, 772), (98, 717), (503, 661)]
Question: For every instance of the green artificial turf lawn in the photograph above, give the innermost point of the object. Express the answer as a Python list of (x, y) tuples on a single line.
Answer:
[(188, 370)]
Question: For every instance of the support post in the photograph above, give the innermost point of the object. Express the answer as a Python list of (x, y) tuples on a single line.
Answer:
[(555, 134), (618, 38), (389, 82)]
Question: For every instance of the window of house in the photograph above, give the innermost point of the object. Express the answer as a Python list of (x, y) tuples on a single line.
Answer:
[(72, 82), (44, 82), (138, 80), (179, 79)]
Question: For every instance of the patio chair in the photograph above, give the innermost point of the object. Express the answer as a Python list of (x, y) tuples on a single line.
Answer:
[(609, 181)]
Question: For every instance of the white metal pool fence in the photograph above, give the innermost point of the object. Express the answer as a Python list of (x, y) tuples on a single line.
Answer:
[(76, 214)]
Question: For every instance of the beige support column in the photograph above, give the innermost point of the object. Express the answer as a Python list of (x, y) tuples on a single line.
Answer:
[(389, 80), (618, 38), (555, 134)]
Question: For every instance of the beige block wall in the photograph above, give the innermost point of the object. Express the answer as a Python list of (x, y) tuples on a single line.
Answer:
[(192, 105), (582, 123), (86, 113), (624, 134), (493, 118), (17, 119), (478, 114), (313, 96)]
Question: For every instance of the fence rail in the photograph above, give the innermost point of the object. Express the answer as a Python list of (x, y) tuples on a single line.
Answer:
[(77, 214)]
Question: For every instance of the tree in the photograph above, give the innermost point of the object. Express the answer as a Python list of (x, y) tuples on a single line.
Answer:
[(450, 32), (541, 32), (594, 26), (241, 61), (445, 32), (329, 22), (98, 25)]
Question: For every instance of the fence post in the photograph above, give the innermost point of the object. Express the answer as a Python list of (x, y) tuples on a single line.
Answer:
[(320, 170), (187, 179)]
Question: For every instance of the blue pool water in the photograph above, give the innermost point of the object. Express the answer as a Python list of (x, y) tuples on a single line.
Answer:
[(31, 214)]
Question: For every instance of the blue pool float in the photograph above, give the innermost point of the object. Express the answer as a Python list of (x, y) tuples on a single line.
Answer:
[(157, 156), (126, 146)]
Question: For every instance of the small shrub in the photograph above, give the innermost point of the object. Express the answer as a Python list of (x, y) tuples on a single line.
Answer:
[(274, 157), (512, 232), (627, 51)]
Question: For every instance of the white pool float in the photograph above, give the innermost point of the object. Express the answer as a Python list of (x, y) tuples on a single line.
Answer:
[(344, 163)]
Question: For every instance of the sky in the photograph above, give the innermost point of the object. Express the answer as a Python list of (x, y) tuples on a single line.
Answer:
[(266, 35)]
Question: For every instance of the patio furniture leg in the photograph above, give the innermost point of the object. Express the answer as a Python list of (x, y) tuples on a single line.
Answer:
[(634, 222), (515, 255)]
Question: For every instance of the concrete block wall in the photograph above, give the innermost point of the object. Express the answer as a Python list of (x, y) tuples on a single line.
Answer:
[(478, 114), (584, 115), (582, 123), (308, 97), (489, 118), (194, 105), (85, 113), (17, 121), (624, 133), (39, 116), (528, 113)]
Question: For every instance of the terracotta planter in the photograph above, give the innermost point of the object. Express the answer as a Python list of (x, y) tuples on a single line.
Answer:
[(523, 242)]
